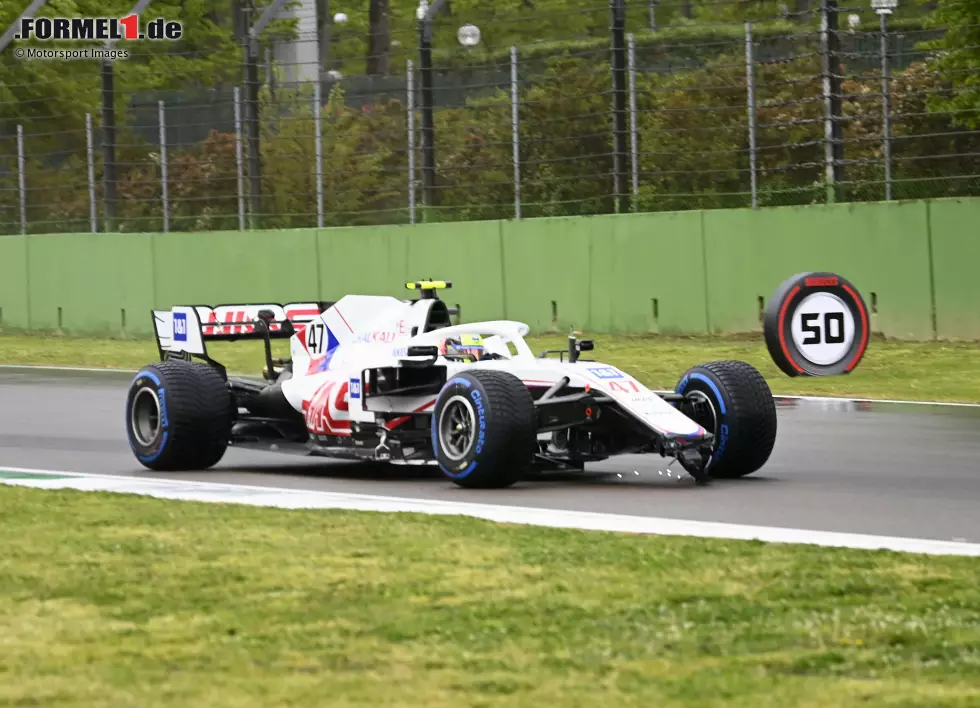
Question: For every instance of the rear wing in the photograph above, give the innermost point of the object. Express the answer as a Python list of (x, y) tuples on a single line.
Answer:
[(184, 330)]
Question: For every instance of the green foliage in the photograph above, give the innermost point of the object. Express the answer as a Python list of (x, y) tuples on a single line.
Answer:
[(565, 146), (958, 60), (59, 93), (364, 162), (691, 128), (51, 98)]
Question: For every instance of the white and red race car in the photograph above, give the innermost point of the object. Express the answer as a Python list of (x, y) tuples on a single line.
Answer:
[(384, 379)]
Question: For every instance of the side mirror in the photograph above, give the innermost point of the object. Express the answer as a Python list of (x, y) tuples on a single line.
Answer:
[(586, 345)]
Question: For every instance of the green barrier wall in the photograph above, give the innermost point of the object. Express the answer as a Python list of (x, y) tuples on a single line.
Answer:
[(682, 272), (470, 257), (90, 282), (954, 232), (231, 266), (368, 260), (14, 303), (881, 249), (631, 273), (545, 261)]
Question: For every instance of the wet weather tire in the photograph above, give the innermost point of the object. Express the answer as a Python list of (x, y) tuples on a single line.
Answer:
[(484, 429), (178, 416), (732, 400)]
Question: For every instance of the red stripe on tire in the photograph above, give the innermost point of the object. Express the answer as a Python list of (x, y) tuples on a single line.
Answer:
[(780, 328), (864, 328)]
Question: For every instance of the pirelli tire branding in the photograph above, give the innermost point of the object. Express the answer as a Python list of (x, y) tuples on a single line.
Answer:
[(816, 324)]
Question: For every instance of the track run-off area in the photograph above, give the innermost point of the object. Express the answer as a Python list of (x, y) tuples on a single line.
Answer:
[(852, 473)]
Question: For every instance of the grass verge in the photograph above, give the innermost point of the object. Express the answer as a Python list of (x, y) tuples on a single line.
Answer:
[(890, 369), (108, 600)]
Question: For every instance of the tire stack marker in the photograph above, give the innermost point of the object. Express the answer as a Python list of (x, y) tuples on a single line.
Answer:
[(817, 324)]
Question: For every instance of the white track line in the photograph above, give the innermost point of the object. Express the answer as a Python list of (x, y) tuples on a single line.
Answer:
[(305, 499), (835, 399), (842, 399)]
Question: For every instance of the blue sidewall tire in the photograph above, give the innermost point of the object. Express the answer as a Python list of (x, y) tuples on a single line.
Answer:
[(148, 378), (505, 429)]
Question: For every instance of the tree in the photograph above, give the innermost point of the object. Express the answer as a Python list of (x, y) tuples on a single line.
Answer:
[(50, 99), (958, 60), (378, 38), (54, 95)]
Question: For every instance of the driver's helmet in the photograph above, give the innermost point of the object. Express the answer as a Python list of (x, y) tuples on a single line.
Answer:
[(463, 345)]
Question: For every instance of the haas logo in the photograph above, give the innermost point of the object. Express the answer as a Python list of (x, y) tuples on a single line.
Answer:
[(237, 319), (326, 411)]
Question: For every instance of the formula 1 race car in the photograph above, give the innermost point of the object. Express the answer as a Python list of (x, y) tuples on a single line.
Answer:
[(384, 379)]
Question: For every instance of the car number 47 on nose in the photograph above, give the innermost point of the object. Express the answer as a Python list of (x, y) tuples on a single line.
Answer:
[(615, 379)]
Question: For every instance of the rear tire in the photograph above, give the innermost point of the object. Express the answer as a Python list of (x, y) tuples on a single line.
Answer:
[(732, 400), (178, 416), (484, 429)]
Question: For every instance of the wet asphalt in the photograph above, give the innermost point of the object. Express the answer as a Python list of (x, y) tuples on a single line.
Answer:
[(876, 468)]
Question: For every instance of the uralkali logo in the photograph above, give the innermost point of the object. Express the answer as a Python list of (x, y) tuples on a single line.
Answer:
[(97, 28)]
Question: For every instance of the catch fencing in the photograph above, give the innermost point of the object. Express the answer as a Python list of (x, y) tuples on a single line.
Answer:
[(620, 106)]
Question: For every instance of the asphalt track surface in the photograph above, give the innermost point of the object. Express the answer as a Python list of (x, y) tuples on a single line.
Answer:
[(873, 468)]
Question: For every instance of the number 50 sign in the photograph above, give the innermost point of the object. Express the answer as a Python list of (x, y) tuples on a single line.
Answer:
[(816, 325)]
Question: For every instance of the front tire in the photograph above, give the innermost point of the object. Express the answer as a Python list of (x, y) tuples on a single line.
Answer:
[(732, 400), (484, 429), (178, 416)]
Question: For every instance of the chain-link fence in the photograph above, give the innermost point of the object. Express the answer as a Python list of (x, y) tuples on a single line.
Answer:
[(620, 106)]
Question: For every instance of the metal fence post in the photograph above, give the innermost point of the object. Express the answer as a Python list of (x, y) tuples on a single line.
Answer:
[(411, 140), (617, 9), (107, 71), (250, 111), (634, 147), (317, 124), (750, 99), (90, 157), (238, 158), (515, 131), (252, 106), (430, 196), (22, 189), (270, 77), (252, 127), (833, 130), (108, 145), (886, 118), (163, 167)]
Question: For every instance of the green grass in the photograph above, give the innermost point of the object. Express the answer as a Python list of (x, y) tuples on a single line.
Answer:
[(890, 369), (108, 600)]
